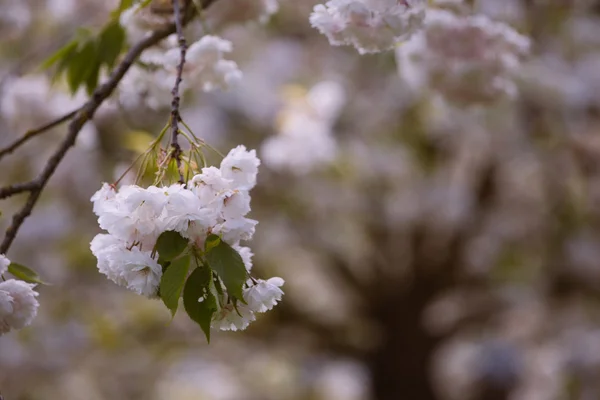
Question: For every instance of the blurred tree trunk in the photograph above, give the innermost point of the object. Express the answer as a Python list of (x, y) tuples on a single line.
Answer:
[(400, 366)]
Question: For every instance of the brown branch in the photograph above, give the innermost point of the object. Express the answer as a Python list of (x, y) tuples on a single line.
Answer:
[(175, 92), (35, 132), (83, 115), (18, 188)]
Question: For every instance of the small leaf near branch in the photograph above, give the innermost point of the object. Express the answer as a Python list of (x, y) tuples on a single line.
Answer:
[(80, 65), (82, 59), (24, 273), (169, 245), (111, 43), (200, 304), (61, 54), (228, 264), (172, 282), (211, 242)]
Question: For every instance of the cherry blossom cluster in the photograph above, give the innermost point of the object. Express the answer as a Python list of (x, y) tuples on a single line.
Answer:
[(371, 26), (18, 303), (214, 203), (305, 139), (468, 59), (205, 68)]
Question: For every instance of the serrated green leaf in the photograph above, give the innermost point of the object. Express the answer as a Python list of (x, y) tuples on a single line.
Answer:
[(197, 286), (61, 54), (80, 65), (24, 273), (172, 282), (111, 43), (169, 245), (228, 264)]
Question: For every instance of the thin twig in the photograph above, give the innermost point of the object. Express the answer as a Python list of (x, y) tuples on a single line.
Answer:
[(35, 132), (18, 188), (175, 92), (83, 115)]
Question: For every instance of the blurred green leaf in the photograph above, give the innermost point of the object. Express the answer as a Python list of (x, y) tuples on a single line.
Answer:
[(211, 242), (124, 5), (228, 264), (60, 55), (196, 287), (111, 43), (172, 282), (91, 82), (169, 245), (81, 65), (24, 273), (82, 59)]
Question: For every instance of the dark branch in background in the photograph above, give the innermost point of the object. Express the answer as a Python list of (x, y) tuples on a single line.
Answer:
[(83, 115), (17, 188), (33, 133), (175, 92)]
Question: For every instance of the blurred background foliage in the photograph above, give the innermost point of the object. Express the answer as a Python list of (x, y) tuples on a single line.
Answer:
[(445, 252)]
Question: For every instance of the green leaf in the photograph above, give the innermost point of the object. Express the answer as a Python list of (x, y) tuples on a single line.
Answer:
[(91, 81), (169, 245), (145, 3), (61, 54), (172, 281), (125, 4), (24, 273), (211, 242), (111, 43), (197, 286), (80, 65), (228, 264)]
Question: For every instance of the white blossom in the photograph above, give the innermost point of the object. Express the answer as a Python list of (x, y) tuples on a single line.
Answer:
[(145, 87), (204, 67), (210, 186), (18, 305), (133, 215), (269, 7), (234, 230), (468, 59), (127, 266), (246, 254), (301, 153), (236, 204), (4, 263), (141, 272), (264, 295), (104, 247), (182, 207), (370, 26), (103, 198), (30, 100), (305, 139), (139, 21), (241, 166), (204, 64), (230, 319)]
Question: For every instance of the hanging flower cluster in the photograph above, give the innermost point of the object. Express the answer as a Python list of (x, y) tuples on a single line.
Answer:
[(18, 303), (184, 240), (371, 26), (205, 68), (467, 59)]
